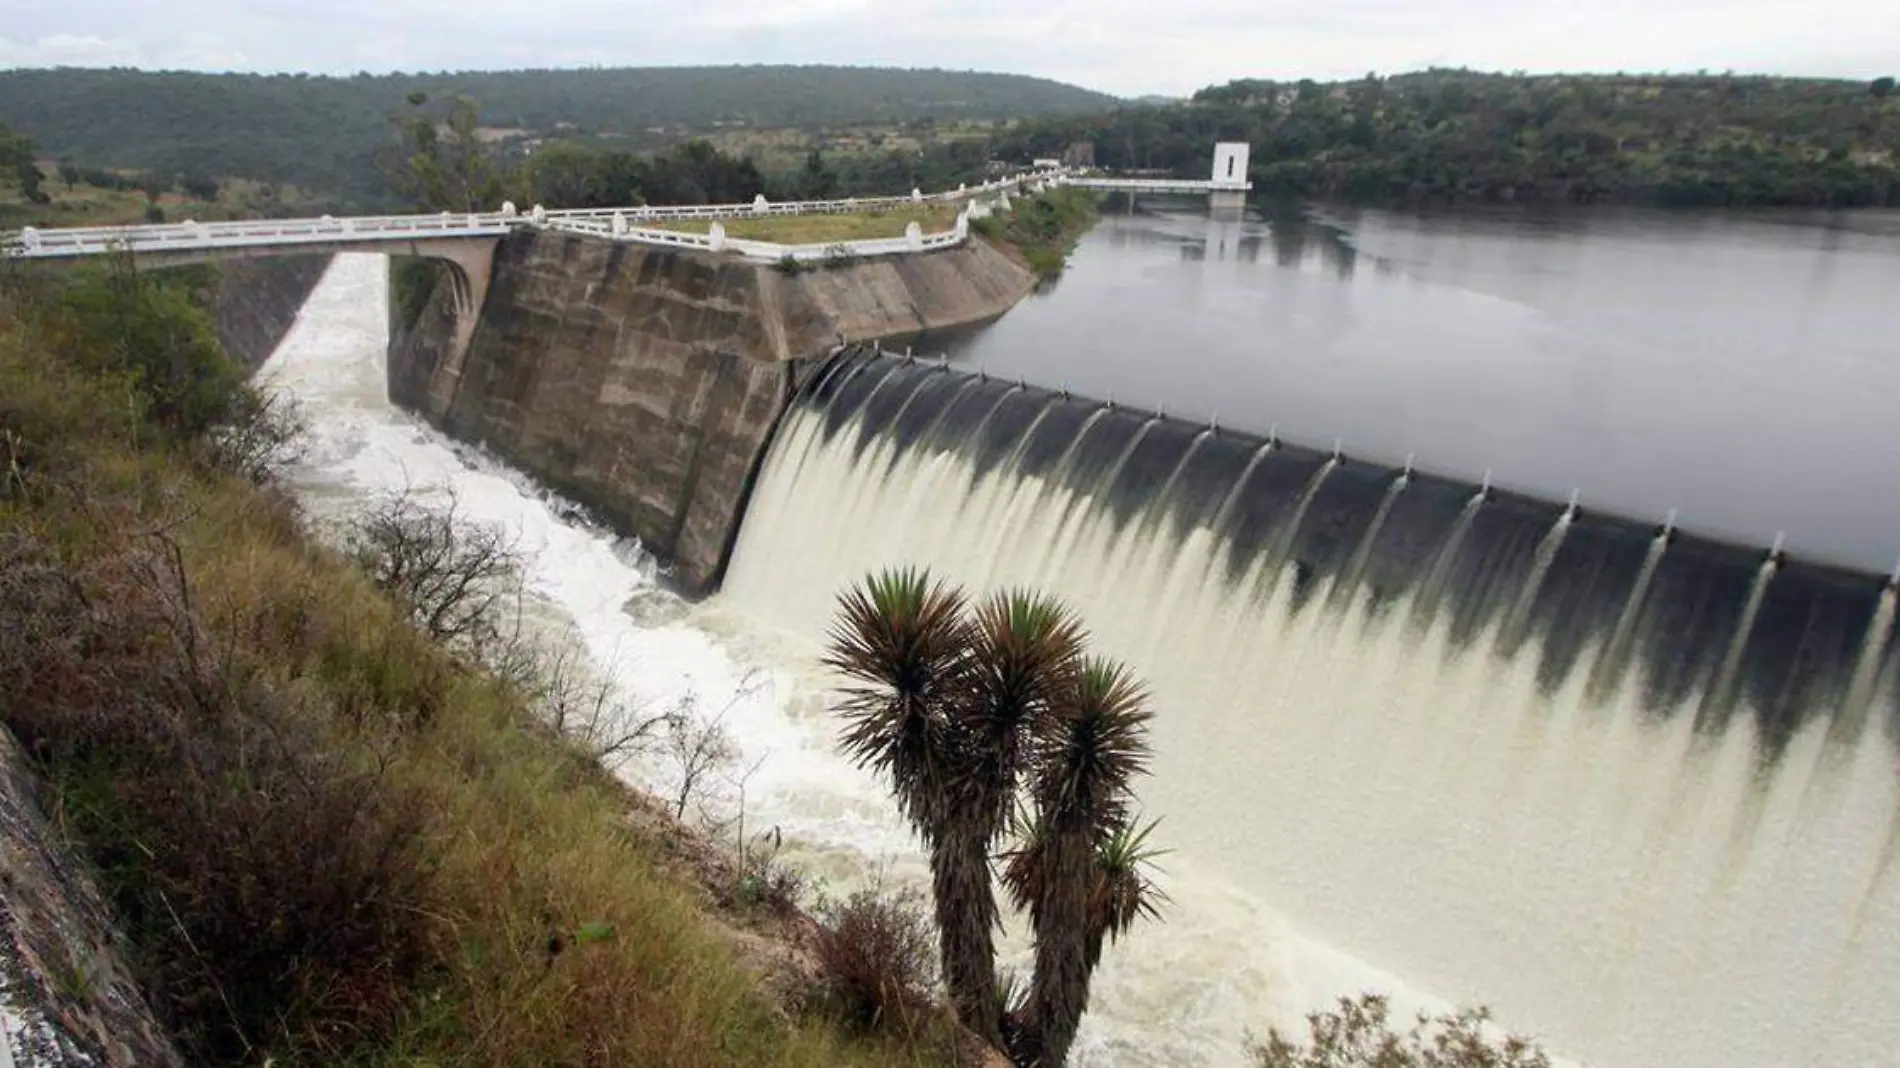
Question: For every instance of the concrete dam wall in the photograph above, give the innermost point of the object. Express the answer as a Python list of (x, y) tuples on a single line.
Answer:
[(256, 301), (645, 382)]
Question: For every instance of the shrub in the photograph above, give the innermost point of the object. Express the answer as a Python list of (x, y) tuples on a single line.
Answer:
[(764, 879), (453, 575), (581, 704), (261, 435), (1042, 228), (788, 264), (119, 320), (698, 748), (876, 957), (1046, 262), (1359, 1034), (268, 878), (412, 281)]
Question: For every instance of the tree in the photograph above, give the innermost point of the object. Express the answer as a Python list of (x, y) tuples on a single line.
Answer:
[(16, 157), (446, 166), (698, 173), (68, 173), (1023, 655), (816, 181), (904, 642), (1072, 874), (1882, 87), (198, 186), (973, 713), (562, 174), (150, 329)]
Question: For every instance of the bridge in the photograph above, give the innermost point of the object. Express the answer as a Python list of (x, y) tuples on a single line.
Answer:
[(466, 241), (425, 235), (1227, 184)]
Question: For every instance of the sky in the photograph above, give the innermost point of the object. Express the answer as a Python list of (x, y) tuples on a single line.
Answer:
[(1127, 47)]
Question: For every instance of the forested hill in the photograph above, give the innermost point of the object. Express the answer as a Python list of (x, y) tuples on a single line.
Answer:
[(1456, 135), (323, 132)]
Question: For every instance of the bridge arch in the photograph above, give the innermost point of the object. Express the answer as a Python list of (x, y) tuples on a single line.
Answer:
[(469, 261)]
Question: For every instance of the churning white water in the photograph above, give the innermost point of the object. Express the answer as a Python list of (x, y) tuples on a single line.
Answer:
[(1183, 993), (1636, 893), (1598, 870)]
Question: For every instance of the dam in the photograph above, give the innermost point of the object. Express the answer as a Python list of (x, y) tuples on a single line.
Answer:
[(1548, 756), (1629, 782)]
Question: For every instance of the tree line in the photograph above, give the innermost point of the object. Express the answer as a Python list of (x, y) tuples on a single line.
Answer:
[(325, 133), (1451, 135), (1440, 136), (442, 162)]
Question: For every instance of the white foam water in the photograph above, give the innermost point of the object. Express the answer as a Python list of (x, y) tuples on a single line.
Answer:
[(1572, 867), (1598, 870)]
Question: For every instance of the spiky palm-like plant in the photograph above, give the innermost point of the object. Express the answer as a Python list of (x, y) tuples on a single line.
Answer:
[(1078, 871), (1026, 651), (1023, 653), (1121, 892), (963, 709), (904, 642)]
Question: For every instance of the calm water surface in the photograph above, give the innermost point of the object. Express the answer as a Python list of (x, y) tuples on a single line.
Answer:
[(1740, 369)]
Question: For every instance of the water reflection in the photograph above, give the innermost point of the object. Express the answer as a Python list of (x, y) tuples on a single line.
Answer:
[(1300, 240), (1735, 367), (1200, 234)]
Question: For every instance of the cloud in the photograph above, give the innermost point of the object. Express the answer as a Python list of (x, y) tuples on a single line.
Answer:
[(70, 50), (1124, 46)]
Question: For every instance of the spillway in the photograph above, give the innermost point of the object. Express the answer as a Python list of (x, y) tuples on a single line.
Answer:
[(1633, 788)]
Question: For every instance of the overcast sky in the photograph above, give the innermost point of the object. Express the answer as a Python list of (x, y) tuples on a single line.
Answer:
[(1128, 47)]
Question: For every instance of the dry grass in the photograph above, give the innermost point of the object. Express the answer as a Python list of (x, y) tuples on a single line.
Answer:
[(934, 217), (88, 205), (878, 953), (1360, 1033), (521, 917)]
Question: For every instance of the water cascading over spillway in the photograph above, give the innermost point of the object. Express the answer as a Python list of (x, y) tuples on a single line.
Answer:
[(1634, 789)]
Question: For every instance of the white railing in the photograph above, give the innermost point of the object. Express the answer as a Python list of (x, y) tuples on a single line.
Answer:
[(759, 206), (738, 211), (715, 240), (613, 223), (187, 236), (1156, 185)]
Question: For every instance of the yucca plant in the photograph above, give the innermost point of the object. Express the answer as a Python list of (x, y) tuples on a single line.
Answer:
[(966, 710), (1076, 873), (903, 642), (1121, 891), (1023, 655)]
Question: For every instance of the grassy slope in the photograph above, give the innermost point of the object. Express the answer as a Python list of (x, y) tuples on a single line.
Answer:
[(1042, 230), (521, 843), (814, 229), (87, 205)]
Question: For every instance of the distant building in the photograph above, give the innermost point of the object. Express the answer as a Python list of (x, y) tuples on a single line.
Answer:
[(1230, 163), (1045, 164)]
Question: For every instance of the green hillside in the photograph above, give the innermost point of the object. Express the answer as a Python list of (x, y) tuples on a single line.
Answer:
[(325, 133), (1450, 135)]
